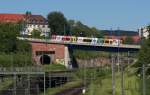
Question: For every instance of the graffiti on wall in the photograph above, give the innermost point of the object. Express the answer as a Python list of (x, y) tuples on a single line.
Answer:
[(60, 61)]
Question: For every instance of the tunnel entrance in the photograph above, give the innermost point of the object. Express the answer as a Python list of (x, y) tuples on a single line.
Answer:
[(45, 59)]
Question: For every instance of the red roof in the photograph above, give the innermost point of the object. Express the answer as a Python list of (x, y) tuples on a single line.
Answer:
[(14, 18), (11, 17), (36, 19)]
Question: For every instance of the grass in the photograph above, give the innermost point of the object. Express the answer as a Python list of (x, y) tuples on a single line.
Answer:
[(53, 91), (54, 67), (18, 59), (5, 84), (100, 82), (77, 80), (103, 86)]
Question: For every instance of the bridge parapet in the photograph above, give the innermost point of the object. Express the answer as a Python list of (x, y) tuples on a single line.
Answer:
[(74, 43)]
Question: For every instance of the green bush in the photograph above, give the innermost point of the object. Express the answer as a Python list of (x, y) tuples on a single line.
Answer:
[(82, 54), (92, 72), (18, 59), (54, 67)]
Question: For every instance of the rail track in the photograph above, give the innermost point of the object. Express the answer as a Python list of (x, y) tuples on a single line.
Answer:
[(72, 91)]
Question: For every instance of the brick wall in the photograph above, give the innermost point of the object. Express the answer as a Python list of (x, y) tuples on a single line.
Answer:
[(58, 49)]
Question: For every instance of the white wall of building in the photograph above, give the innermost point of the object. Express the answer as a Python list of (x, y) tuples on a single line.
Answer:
[(143, 32), (43, 28)]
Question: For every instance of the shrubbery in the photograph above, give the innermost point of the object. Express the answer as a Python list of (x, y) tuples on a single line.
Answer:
[(82, 54), (18, 59), (13, 52)]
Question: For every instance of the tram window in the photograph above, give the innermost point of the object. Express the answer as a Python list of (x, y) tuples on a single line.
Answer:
[(107, 41), (87, 40)]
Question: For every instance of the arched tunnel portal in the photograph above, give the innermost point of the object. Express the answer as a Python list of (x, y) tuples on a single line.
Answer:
[(45, 59)]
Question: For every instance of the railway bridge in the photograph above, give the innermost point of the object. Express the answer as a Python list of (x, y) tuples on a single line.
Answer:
[(47, 51)]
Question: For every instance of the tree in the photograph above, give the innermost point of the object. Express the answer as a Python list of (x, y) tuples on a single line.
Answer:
[(148, 28), (28, 13), (23, 46), (79, 29), (12, 48), (96, 32), (8, 37), (71, 23), (36, 33), (144, 54), (8, 34), (57, 22), (128, 40)]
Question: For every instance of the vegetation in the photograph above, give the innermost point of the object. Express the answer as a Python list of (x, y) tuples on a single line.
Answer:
[(100, 82), (61, 26), (8, 34), (18, 59), (144, 54), (83, 54), (120, 33), (92, 73), (128, 40), (12, 50), (54, 67), (103, 86), (72, 84), (8, 38), (57, 22), (79, 29), (35, 34), (5, 83)]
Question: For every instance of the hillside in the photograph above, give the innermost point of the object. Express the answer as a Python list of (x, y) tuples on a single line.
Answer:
[(119, 33)]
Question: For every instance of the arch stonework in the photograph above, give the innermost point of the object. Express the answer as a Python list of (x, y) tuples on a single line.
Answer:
[(55, 51)]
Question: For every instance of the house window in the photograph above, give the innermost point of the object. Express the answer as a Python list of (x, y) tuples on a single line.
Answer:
[(46, 26), (33, 25)]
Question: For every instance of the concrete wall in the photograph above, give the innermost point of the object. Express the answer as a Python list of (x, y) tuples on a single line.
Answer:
[(67, 57)]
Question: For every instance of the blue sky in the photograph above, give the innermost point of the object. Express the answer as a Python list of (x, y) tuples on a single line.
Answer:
[(103, 14)]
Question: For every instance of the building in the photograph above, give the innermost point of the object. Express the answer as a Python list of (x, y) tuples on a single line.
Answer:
[(143, 32), (11, 18), (31, 22), (36, 22)]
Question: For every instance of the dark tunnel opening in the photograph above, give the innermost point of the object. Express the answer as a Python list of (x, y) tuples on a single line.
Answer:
[(45, 59)]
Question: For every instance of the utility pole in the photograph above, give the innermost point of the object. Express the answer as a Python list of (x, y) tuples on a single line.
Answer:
[(144, 84), (44, 83), (118, 48), (118, 59), (15, 84), (28, 83), (128, 59), (122, 79), (84, 88), (113, 76)]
